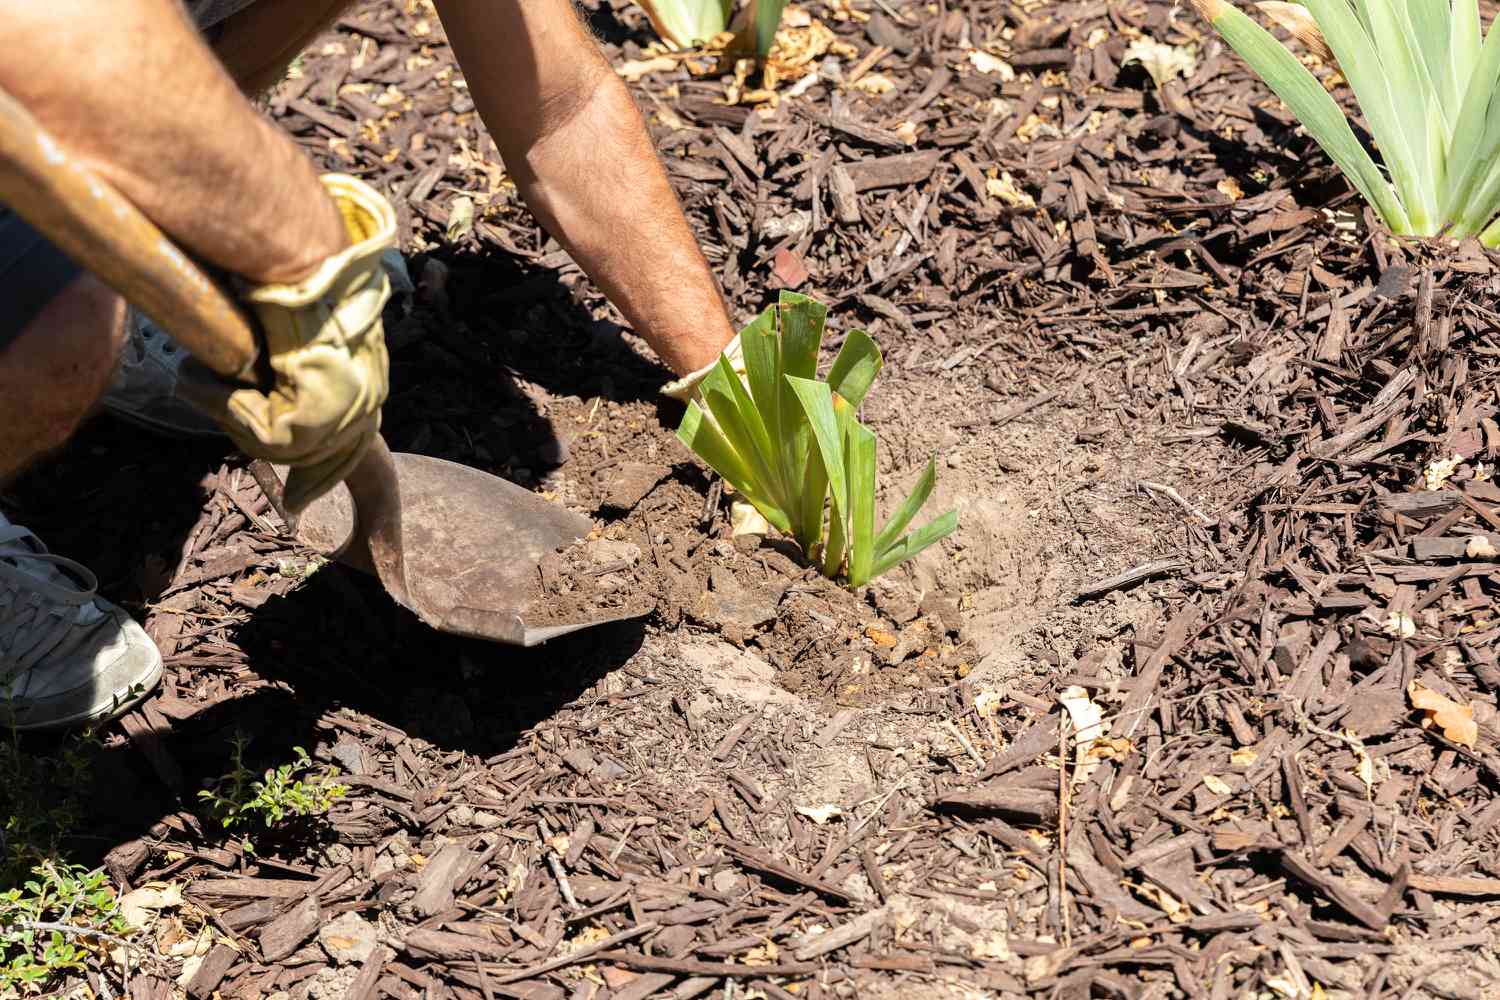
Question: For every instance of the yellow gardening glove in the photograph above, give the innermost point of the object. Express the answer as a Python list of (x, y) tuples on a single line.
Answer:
[(686, 388), (326, 349)]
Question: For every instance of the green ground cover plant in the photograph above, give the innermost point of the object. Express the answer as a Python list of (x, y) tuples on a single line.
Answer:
[(41, 800), (242, 802), (59, 923), (793, 447)]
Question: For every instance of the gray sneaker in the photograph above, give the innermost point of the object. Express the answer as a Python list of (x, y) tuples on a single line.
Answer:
[(66, 656), (144, 390)]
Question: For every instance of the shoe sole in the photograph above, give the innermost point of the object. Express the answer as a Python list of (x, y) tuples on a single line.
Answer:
[(123, 703)]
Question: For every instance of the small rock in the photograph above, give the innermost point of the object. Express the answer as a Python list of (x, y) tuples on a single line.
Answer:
[(913, 639), (629, 482), (348, 938), (945, 610), (338, 854), (741, 609), (726, 882), (881, 30), (733, 673), (607, 552), (794, 223), (331, 984), (609, 769)]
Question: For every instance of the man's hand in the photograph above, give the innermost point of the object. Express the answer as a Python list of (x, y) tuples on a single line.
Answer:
[(686, 387), (326, 348)]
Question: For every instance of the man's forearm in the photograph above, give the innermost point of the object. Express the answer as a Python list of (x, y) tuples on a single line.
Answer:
[(582, 159), (599, 188), (141, 100)]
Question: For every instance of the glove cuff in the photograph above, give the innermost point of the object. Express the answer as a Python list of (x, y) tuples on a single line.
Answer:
[(371, 224), (683, 389)]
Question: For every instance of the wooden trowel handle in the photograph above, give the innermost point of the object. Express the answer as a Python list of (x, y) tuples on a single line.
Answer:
[(94, 224)]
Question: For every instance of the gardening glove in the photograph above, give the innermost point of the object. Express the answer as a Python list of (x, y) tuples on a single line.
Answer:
[(686, 388), (326, 349)]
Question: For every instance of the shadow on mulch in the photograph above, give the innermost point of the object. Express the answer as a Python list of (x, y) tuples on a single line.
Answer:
[(477, 357), (122, 501), (322, 656)]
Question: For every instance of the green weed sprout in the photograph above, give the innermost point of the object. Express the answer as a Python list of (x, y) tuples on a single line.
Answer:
[(1424, 83), (793, 447), (241, 802)]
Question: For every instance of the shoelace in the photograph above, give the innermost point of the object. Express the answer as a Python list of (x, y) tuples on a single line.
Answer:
[(36, 612)]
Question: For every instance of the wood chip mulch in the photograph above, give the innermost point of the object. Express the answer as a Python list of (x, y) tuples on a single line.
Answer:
[(1173, 270)]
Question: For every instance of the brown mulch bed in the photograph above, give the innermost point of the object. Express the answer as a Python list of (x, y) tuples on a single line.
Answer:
[(1190, 417)]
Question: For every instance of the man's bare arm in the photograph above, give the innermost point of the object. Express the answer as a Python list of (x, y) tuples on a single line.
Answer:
[(129, 88), (575, 144)]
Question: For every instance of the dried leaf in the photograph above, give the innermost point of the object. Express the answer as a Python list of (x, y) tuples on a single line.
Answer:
[(1230, 188), (1243, 757), (989, 64), (1437, 473), (1399, 625), (637, 68), (1004, 188), (1162, 62), (820, 814), (746, 520), (1215, 784), (1455, 720), (460, 218), (1479, 547), (874, 84), (139, 907), (1297, 20)]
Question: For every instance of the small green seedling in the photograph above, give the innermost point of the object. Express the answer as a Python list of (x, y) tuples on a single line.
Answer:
[(43, 800), (56, 926), (1425, 86), (793, 447), (242, 802), (683, 24)]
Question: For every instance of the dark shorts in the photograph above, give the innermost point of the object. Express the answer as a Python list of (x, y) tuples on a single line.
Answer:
[(32, 273)]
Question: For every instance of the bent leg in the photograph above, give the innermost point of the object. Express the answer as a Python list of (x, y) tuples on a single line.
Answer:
[(55, 369)]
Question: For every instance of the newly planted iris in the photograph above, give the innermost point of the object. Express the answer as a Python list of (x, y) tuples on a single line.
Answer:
[(1425, 84), (793, 447)]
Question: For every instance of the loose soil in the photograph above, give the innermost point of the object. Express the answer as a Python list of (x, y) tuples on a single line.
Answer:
[(1188, 404)]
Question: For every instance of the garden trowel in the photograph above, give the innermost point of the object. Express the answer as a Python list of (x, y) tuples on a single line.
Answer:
[(457, 546)]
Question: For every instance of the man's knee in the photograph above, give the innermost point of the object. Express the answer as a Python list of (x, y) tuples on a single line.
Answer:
[(54, 372)]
